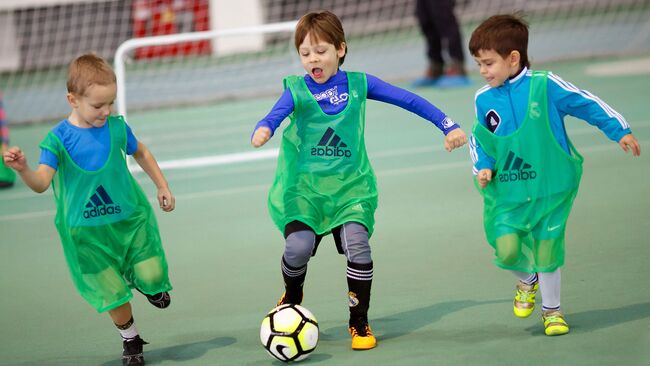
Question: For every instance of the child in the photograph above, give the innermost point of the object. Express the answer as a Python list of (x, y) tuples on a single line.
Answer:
[(7, 176), (324, 182), (107, 226), (526, 166)]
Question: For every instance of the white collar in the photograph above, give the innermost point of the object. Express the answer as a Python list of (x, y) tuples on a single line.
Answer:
[(519, 76)]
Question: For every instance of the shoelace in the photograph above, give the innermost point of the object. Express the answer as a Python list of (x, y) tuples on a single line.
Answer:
[(362, 331), (555, 319), (523, 295)]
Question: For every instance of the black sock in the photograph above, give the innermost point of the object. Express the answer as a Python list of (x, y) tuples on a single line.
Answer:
[(359, 283), (294, 279)]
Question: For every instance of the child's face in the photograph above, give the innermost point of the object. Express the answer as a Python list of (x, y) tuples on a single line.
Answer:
[(496, 69), (320, 59), (92, 108)]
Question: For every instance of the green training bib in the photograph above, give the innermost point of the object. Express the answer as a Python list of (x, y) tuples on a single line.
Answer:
[(107, 227), (323, 177), (533, 178)]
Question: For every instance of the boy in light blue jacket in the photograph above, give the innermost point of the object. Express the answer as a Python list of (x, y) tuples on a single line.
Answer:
[(525, 165)]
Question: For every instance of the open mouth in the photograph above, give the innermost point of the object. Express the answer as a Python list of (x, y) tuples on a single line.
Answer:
[(317, 72)]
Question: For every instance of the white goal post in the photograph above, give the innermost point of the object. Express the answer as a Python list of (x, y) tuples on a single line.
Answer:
[(125, 49)]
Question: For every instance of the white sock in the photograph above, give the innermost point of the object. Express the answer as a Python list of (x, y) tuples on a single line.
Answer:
[(527, 278), (128, 331), (549, 285)]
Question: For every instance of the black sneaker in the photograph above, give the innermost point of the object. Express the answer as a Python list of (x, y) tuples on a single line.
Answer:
[(160, 300), (132, 352)]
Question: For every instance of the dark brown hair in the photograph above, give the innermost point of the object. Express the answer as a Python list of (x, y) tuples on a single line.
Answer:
[(502, 33), (87, 70), (321, 26)]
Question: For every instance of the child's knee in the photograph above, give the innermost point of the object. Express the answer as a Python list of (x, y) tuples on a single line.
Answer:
[(149, 271), (508, 249), (299, 247), (508, 258)]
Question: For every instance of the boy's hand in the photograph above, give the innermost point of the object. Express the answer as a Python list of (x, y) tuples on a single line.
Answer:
[(261, 136), (629, 142), (455, 139), (166, 199), (15, 159), (484, 177)]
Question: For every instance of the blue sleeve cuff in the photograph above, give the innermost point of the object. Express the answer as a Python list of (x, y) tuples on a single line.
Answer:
[(618, 135), (453, 127), (484, 164), (263, 123)]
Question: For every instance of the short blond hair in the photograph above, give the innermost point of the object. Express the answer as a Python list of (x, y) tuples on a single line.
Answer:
[(87, 70)]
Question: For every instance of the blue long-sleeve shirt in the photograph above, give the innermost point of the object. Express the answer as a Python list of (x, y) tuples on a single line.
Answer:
[(503, 109), (332, 97)]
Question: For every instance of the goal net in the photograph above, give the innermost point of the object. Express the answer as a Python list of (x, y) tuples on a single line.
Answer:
[(181, 52)]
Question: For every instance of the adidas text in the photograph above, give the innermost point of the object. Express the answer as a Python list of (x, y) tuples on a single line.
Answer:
[(330, 151), (102, 211), (516, 175)]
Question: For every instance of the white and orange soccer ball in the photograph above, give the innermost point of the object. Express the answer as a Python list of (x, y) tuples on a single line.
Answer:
[(289, 333)]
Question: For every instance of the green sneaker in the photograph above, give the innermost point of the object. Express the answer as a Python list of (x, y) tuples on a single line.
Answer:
[(524, 303), (554, 323)]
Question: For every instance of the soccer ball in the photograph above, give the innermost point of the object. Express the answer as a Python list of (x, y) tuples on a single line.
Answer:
[(289, 332)]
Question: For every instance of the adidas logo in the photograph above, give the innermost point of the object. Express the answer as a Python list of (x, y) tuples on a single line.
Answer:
[(515, 169), (100, 204), (331, 145)]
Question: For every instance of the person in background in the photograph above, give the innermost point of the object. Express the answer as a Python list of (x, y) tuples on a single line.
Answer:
[(441, 31)]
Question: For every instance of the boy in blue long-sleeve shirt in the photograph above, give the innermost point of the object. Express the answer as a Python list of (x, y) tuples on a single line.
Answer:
[(324, 182), (525, 164)]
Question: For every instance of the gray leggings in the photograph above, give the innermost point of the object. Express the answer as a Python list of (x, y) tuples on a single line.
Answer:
[(300, 245)]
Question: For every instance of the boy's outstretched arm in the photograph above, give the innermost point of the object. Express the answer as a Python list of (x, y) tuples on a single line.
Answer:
[(38, 180), (148, 163), (455, 139), (388, 93), (629, 142), (265, 128)]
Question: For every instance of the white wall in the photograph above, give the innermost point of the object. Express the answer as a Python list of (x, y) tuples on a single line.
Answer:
[(225, 14), (9, 51)]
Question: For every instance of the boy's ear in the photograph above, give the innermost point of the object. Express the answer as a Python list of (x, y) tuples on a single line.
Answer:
[(72, 100), (341, 51), (515, 58)]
